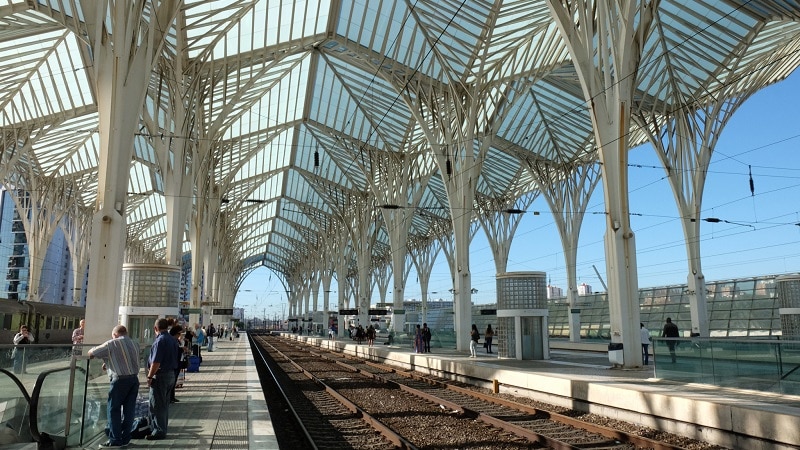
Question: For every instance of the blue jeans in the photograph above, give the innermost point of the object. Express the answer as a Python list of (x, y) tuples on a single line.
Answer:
[(160, 389), (121, 408), (645, 354), (210, 347), (19, 360)]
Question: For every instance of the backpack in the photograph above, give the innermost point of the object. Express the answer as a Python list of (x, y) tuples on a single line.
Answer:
[(140, 428)]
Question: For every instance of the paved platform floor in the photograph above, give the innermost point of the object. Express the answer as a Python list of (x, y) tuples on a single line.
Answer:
[(221, 407)]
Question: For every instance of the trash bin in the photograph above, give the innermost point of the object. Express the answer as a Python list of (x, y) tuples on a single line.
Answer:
[(194, 364), (615, 353)]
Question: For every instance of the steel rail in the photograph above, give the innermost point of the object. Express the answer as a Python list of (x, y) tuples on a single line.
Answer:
[(610, 433), (372, 421), (615, 436), (283, 394)]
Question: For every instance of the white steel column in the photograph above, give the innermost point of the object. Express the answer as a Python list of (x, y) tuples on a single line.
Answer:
[(568, 191), (605, 41), (340, 260), (685, 142), (327, 276), (315, 282), (123, 63), (364, 234), (423, 255)]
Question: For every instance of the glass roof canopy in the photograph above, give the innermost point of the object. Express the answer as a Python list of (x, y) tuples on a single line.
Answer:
[(306, 104)]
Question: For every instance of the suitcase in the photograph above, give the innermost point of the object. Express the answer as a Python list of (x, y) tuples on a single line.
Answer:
[(194, 364)]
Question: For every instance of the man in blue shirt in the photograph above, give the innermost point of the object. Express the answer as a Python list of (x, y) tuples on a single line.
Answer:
[(161, 366), (121, 360)]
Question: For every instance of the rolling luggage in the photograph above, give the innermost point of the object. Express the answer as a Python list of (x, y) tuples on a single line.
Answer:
[(194, 364)]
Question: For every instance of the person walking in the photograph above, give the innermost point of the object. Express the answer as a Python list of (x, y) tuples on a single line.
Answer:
[(24, 337), (474, 337), (120, 356), (161, 367), (670, 332), (487, 337), (645, 335)]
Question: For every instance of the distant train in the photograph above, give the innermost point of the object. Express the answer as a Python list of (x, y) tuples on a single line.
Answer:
[(49, 323)]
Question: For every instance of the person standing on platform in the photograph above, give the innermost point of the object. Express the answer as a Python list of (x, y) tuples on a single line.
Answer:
[(161, 367), (18, 354), (474, 337), (670, 332), (645, 335), (210, 334), (488, 338), (176, 331), (77, 337), (418, 342), (120, 357), (426, 338), (199, 341)]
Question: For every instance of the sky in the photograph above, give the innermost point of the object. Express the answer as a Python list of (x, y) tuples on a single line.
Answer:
[(759, 233)]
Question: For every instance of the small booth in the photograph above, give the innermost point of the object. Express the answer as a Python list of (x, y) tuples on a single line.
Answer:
[(522, 316), (149, 291)]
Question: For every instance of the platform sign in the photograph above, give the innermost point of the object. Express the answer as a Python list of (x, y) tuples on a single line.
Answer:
[(384, 305), (191, 311), (378, 312), (488, 312), (222, 311), (399, 311), (348, 312)]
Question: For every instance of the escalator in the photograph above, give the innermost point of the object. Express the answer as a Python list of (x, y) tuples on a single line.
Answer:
[(64, 409), (14, 413)]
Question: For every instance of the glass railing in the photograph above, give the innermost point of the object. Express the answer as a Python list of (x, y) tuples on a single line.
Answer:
[(68, 395), (28, 361), (764, 365)]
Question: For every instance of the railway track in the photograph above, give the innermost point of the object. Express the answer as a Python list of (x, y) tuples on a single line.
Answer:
[(411, 411)]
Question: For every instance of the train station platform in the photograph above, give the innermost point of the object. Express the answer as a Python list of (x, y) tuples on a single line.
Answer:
[(221, 407)]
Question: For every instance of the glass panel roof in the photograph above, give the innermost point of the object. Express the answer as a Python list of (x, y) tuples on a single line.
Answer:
[(289, 108)]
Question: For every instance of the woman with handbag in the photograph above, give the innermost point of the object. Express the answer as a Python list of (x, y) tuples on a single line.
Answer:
[(488, 338)]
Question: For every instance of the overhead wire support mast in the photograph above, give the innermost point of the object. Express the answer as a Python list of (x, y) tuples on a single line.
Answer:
[(605, 288)]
